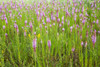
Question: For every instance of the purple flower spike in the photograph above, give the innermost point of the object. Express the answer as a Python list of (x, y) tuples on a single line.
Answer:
[(6, 35), (99, 32), (97, 21), (82, 43), (54, 18), (3, 27), (63, 18), (58, 20), (25, 22), (49, 44), (31, 25), (71, 28), (63, 29), (34, 33), (34, 44), (25, 33), (48, 20), (73, 49)]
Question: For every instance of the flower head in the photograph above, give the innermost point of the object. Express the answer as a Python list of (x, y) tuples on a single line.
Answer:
[(49, 44), (29, 35), (38, 36), (34, 44), (81, 43), (73, 49), (3, 27)]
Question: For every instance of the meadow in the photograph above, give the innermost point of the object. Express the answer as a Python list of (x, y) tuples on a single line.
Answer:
[(50, 34)]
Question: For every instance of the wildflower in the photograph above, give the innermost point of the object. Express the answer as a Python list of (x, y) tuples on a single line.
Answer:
[(38, 36), (6, 35), (49, 44), (45, 27), (25, 22), (62, 22), (94, 38), (50, 25), (43, 23), (99, 32), (34, 44), (93, 21), (86, 14), (71, 28), (58, 20), (68, 23), (29, 35), (63, 18), (53, 24), (48, 20), (24, 33), (3, 27), (73, 49), (40, 26), (63, 29), (34, 33), (97, 21), (51, 15), (82, 9), (81, 43), (83, 21), (54, 18)]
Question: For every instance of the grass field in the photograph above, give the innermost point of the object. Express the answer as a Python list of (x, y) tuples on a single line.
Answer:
[(50, 33)]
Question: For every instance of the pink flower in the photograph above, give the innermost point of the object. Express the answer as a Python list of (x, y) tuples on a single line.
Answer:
[(49, 44), (48, 20), (25, 22), (34, 44), (25, 33), (82, 9), (82, 43), (73, 49), (63, 29), (54, 18), (31, 25), (58, 20), (93, 39), (63, 18), (34, 33), (62, 22), (3, 27), (99, 32), (6, 35), (97, 21), (71, 28)]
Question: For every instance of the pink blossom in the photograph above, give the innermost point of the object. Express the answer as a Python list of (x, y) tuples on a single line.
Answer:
[(34, 44)]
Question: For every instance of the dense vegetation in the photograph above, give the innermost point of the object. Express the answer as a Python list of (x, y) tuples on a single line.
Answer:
[(50, 34)]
